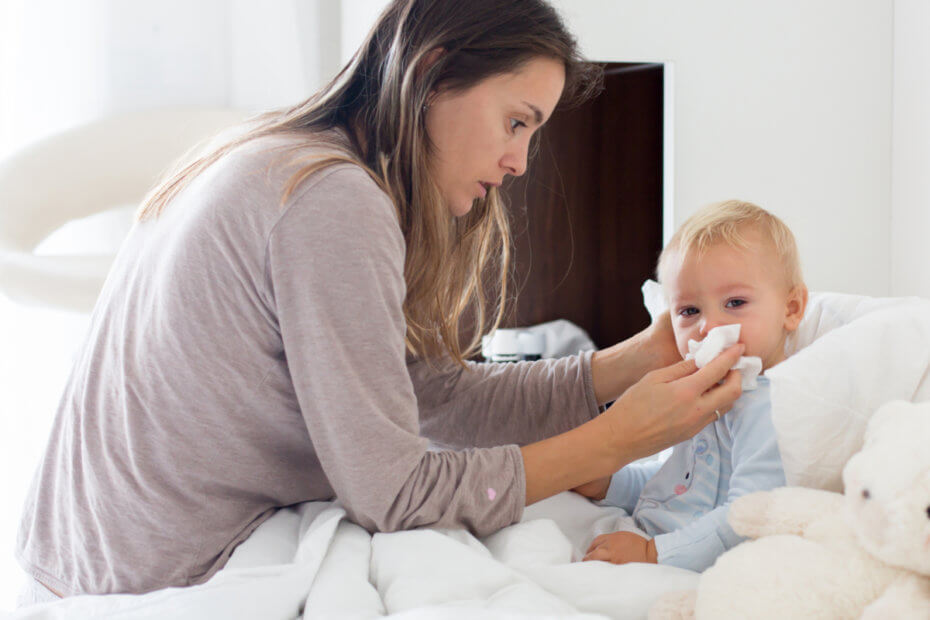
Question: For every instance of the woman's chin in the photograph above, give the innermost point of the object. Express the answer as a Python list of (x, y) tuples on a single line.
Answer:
[(461, 208)]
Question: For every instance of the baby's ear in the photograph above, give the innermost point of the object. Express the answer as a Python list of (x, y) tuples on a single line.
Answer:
[(794, 307)]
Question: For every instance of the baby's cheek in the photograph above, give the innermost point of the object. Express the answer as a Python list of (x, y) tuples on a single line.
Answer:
[(761, 341), (681, 341)]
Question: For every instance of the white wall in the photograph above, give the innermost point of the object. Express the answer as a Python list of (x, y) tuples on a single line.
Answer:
[(358, 16), (784, 103), (910, 182), (64, 63), (52, 67)]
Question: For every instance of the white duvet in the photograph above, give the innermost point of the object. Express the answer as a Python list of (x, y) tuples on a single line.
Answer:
[(310, 560)]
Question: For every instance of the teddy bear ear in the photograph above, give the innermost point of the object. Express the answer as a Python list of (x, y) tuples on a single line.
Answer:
[(891, 416)]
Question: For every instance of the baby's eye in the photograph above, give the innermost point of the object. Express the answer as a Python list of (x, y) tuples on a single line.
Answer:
[(736, 303), (689, 311), (514, 124)]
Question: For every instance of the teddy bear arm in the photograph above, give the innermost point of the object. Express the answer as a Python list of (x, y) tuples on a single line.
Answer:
[(786, 510), (905, 599), (674, 606)]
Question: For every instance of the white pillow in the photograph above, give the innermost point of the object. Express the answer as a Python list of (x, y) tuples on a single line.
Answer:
[(853, 355), (827, 311)]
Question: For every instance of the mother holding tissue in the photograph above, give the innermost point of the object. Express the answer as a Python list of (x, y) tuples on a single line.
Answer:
[(285, 323)]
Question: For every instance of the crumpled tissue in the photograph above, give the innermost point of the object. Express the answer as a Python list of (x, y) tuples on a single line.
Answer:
[(718, 339)]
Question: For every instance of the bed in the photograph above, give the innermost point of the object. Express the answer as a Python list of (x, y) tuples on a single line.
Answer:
[(851, 354)]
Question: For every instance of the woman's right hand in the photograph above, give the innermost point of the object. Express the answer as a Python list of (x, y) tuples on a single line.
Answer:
[(670, 405), (664, 408)]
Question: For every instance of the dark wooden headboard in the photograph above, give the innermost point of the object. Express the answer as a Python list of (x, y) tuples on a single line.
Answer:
[(587, 216)]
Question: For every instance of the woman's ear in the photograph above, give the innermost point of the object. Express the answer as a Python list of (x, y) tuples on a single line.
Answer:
[(426, 62), (794, 307), (429, 59)]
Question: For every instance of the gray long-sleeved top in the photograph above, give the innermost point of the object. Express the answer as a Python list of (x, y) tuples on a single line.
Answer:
[(246, 355)]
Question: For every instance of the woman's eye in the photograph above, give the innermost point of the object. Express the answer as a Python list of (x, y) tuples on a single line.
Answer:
[(736, 303), (687, 312), (514, 124)]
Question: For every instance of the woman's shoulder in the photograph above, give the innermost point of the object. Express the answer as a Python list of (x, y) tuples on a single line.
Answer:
[(279, 157), (274, 174)]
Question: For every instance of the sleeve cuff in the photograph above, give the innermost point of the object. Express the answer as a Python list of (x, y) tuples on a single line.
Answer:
[(592, 408), (519, 487), (675, 549)]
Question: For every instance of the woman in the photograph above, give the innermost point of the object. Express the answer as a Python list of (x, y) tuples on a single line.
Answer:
[(283, 324)]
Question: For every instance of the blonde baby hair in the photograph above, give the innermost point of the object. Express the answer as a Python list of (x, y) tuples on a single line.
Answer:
[(727, 222)]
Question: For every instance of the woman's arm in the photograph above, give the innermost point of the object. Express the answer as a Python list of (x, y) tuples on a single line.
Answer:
[(666, 407), (492, 404), (489, 404)]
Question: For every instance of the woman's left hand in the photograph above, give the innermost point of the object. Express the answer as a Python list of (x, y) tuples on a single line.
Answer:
[(622, 547), (616, 368), (662, 341)]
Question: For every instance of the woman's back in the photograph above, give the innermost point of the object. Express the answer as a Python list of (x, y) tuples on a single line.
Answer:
[(180, 428)]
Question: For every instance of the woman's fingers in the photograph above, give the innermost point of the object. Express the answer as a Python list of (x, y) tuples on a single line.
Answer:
[(674, 372), (671, 404), (715, 370), (705, 378), (720, 397), (716, 386)]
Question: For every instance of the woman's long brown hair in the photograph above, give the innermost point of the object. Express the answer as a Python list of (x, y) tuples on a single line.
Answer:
[(378, 101)]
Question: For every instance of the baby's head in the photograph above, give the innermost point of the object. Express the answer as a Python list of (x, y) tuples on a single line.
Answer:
[(734, 262)]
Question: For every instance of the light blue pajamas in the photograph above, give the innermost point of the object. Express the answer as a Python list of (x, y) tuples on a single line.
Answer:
[(683, 502)]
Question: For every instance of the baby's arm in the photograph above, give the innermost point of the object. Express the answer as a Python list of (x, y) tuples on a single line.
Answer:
[(756, 467), (623, 488), (627, 484), (697, 545)]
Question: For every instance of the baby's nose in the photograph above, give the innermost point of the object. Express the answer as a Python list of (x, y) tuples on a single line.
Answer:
[(710, 323)]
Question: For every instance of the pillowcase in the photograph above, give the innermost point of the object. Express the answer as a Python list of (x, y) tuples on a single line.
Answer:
[(853, 354)]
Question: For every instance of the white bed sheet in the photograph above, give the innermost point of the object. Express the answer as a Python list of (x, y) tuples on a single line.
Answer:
[(311, 559)]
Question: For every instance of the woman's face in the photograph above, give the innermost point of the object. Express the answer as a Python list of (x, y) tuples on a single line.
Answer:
[(483, 134)]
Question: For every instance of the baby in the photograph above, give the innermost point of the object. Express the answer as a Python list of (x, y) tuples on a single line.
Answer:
[(730, 263)]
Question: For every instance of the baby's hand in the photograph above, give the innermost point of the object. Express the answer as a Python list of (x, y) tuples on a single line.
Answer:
[(596, 489), (620, 548)]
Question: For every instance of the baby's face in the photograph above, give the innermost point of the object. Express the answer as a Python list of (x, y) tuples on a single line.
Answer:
[(727, 285)]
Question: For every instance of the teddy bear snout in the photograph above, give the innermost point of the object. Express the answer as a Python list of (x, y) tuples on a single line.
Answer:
[(868, 514)]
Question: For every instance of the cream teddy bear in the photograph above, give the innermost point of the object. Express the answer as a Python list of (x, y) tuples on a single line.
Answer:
[(825, 555)]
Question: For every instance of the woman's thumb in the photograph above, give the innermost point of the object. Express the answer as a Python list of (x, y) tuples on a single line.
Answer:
[(675, 371)]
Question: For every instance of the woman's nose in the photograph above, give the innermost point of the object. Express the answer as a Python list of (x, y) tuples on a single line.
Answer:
[(514, 161)]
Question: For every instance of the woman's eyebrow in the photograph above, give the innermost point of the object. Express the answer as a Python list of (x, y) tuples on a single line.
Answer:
[(536, 112)]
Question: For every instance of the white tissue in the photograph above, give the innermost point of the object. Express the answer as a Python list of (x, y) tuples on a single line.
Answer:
[(718, 339), (654, 299)]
